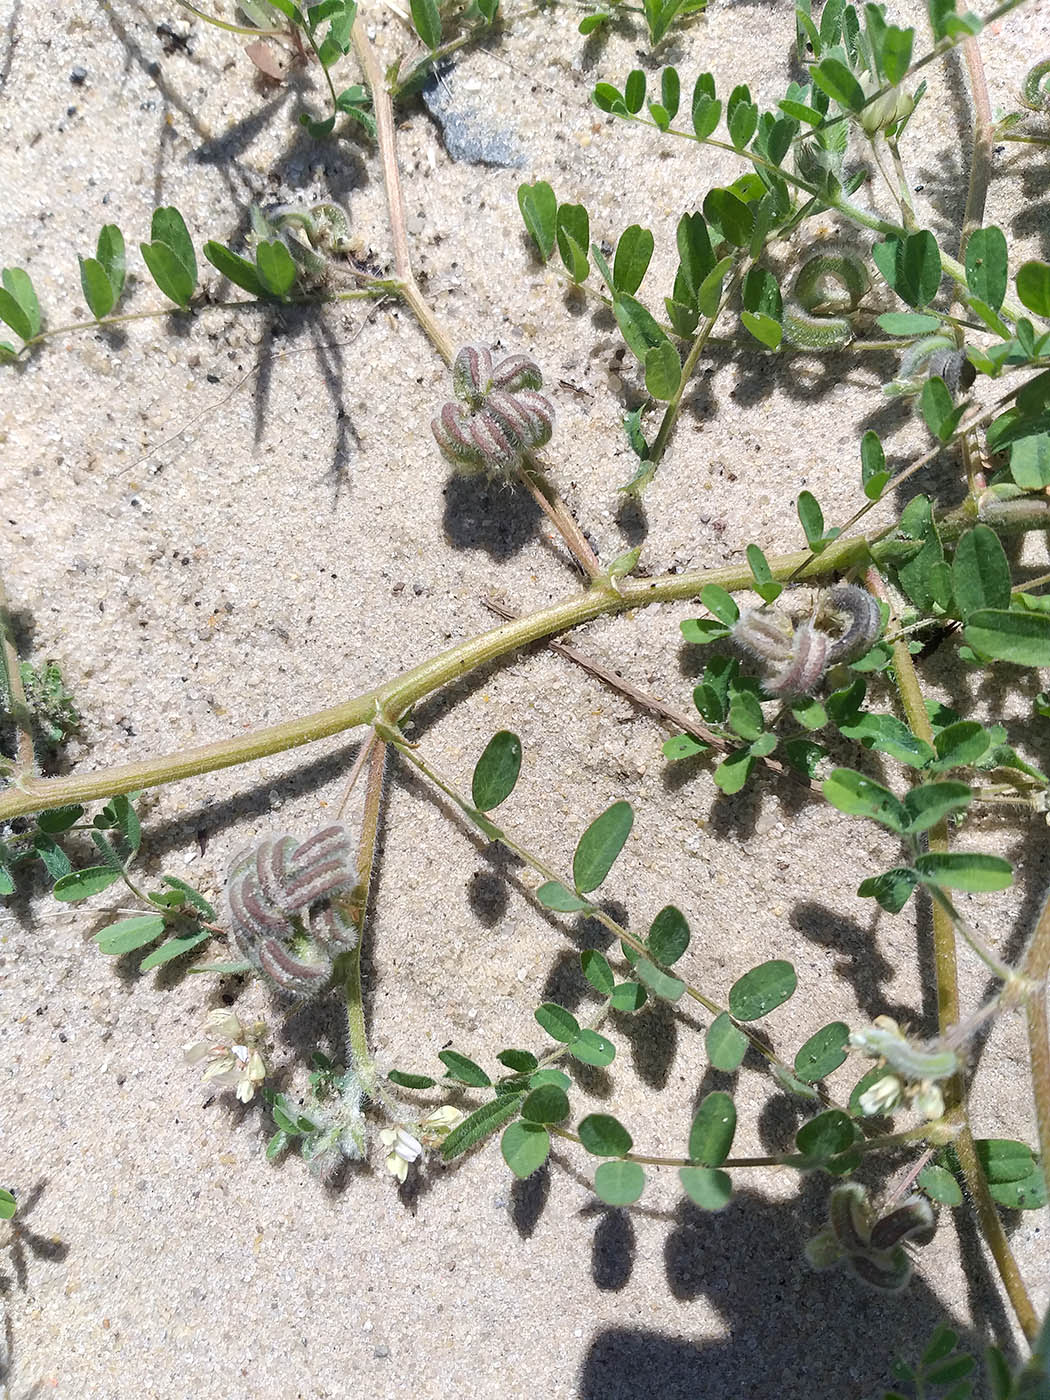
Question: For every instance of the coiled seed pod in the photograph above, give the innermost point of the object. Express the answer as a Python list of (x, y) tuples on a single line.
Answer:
[(826, 293), (500, 418), (287, 907)]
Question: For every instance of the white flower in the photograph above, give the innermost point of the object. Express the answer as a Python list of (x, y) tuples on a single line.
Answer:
[(883, 1096), (234, 1062), (404, 1149), (885, 111), (929, 1100)]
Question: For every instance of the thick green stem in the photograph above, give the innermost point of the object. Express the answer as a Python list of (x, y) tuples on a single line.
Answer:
[(394, 697), (28, 794)]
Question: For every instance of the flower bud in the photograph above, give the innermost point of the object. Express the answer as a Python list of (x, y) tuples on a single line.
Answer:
[(885, 111)]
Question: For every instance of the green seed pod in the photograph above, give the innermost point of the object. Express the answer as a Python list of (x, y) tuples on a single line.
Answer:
[(910, 1061), (826, 292), (1035, 94)]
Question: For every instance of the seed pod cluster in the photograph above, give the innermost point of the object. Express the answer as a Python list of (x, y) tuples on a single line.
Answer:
[(288, 907), (844, 626), (499, 417)]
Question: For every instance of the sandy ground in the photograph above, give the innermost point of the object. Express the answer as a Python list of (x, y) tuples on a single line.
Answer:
[(219, 524)]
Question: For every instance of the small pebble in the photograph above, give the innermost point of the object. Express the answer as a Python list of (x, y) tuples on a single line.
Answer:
[(77, 75), (381, 1351)]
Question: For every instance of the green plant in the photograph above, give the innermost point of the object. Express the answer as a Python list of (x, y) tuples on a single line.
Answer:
[(837, 639)]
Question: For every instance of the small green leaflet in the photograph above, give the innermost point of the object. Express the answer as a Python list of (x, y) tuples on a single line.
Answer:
[(497, 771), (599, 846)]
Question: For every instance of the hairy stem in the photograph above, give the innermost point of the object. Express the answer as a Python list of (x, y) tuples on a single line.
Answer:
[(357, 1030), (946, 970), (1037, 968), (593, 911), (695, 351), (674, 718), (544, 493), (557, 512), (28, 794), (12, 692), (383, 108), (981, 159)]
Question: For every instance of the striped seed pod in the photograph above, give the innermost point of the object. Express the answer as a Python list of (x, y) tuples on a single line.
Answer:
[(288, 907), (500, 416)]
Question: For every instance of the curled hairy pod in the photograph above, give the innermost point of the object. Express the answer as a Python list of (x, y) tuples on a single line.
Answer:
[(500, 417)]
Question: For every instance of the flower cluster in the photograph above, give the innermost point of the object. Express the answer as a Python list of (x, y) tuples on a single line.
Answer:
[(844, 626), (914, 1070), (231, 1050), (500, 416), (289, 907), (872, 1244), (404, 1148)]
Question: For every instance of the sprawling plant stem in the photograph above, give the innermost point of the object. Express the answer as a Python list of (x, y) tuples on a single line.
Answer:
[(1037, 968), (357, 1029), (29, 794), (631, 940)]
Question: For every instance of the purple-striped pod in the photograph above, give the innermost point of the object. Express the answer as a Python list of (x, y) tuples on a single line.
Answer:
[(289, 907)]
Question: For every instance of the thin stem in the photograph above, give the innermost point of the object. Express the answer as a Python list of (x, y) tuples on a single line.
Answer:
[(907, 208), (224, 24), (593, 911), (12, 691), (433, 58), (784, 1159), (695, 351), (902, 476), (355, 771), (561, 517), (947, 977), (383, 109), (674, 718), (1037, 968), (981, 160), (995, 965), (357, 1031), (378, 287)]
